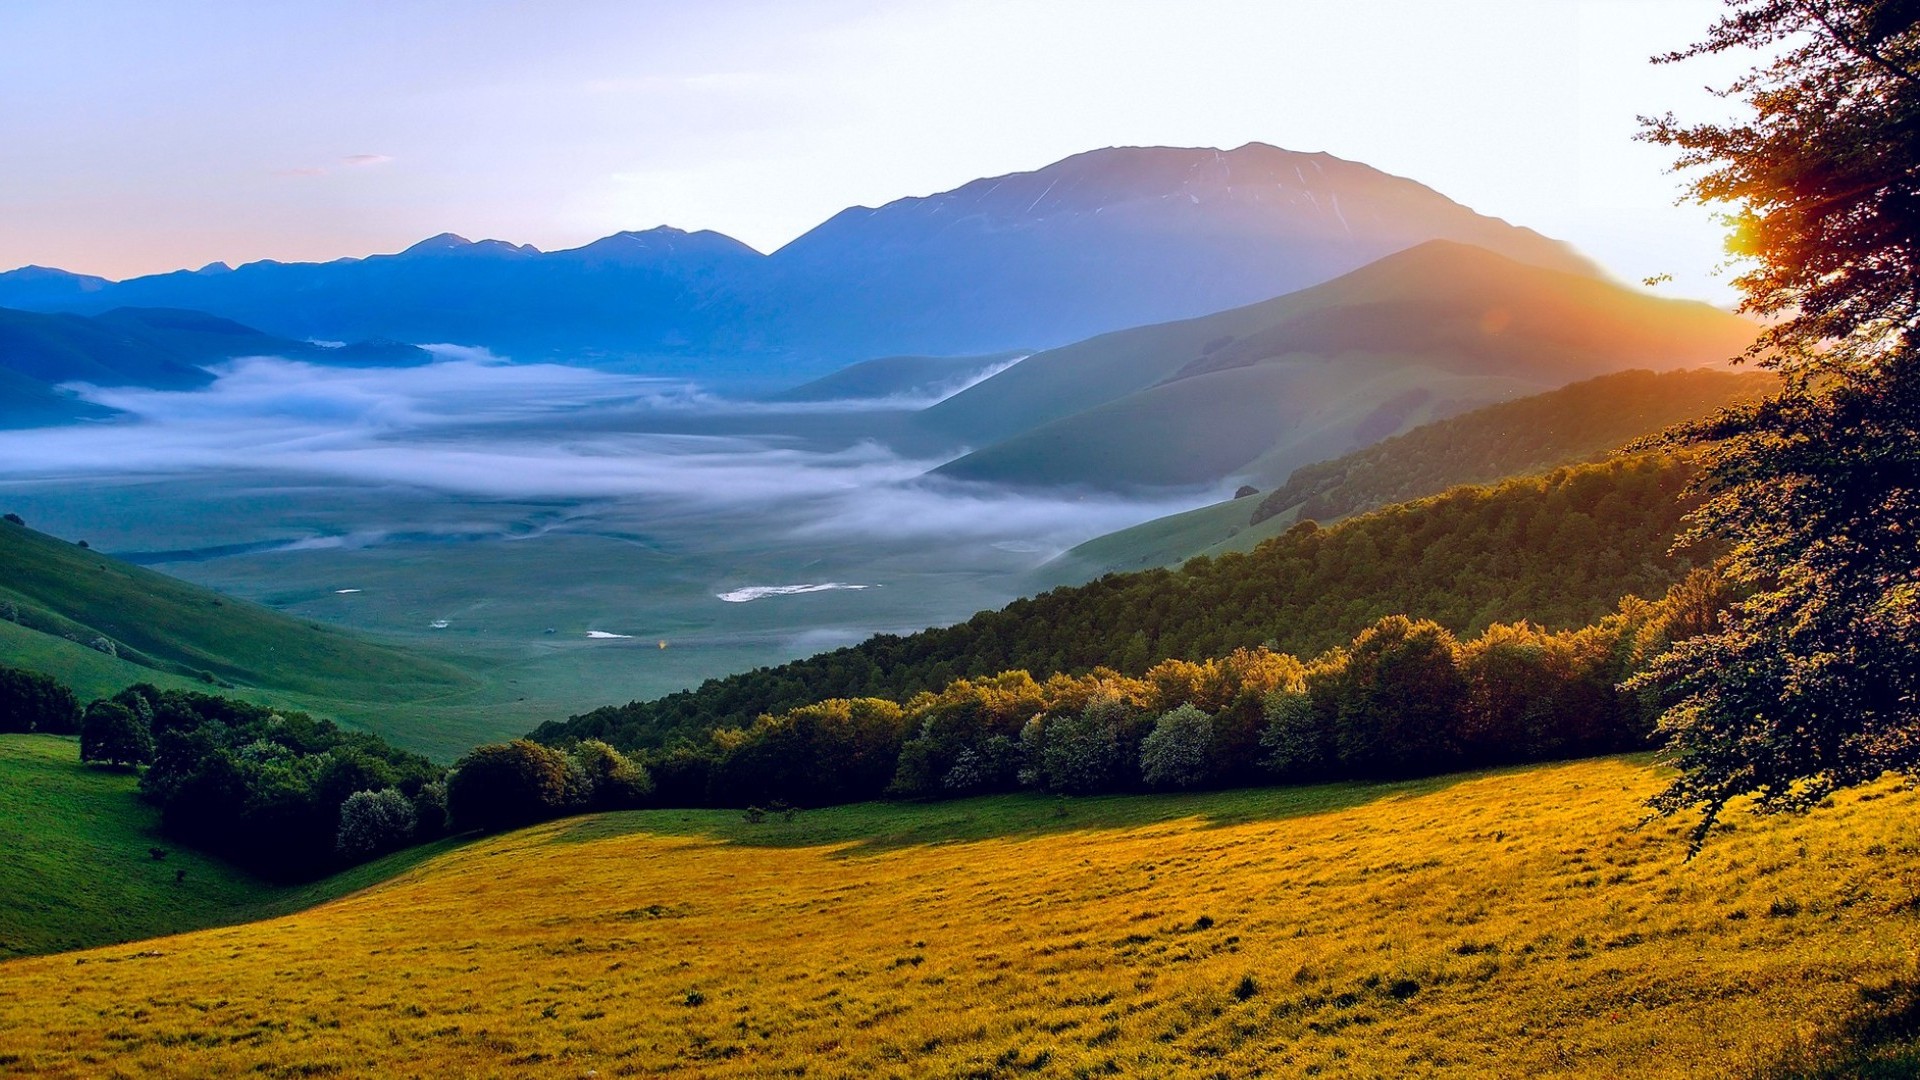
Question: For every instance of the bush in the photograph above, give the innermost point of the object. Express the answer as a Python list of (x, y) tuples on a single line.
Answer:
[(110, 733), (32, 702), (374, 823), (1175, 752), (505, 785)]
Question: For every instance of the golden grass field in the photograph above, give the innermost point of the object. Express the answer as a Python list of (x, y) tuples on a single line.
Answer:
[(1500, 924)]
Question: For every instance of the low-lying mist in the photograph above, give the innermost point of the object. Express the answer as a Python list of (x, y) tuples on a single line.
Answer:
[(470, 426)]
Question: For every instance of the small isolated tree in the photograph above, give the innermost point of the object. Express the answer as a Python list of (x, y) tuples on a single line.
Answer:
[(505, 785), (1174, 754), (110, 733), (374, 823), (1811, 682)]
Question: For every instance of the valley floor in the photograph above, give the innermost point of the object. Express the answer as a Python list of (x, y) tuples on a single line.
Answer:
[(1513, 923)]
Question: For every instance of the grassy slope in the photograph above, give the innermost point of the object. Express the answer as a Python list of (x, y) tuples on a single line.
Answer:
[(186, 628), (1428, 331), (78, 873), (1507, 924), (1578, 423)]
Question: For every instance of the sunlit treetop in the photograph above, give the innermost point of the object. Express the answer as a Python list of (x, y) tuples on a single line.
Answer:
[(1822, 174)]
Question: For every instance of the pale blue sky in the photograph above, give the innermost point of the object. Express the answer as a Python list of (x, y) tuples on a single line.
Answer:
[(146, 136)]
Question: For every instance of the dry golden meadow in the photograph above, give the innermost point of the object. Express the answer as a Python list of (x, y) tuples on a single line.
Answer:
[(1501, 924)]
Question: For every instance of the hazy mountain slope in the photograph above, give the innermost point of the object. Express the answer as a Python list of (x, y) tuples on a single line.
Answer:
[(1102, 240), (164, 348), (60, 588), (1581, 422), (1505, 925), (106, 351), (896, 377), (1559, 550), (1257, 391)]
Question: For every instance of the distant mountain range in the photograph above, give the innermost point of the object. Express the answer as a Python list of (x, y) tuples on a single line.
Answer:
[(1100, 241)]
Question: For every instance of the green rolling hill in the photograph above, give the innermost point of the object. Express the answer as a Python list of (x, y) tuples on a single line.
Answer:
[(1257, 391), (80, 870), (168, 625)]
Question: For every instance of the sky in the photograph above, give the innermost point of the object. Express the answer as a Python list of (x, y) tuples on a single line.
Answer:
[(141, 136)]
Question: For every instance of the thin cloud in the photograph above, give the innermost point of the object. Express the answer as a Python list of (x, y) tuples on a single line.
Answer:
[(362, 160)]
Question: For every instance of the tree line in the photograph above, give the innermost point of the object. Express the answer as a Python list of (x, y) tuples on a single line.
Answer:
[(1558, 550), (292, 797)]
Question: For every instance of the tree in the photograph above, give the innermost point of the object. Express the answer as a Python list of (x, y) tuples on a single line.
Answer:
[(373, 823), (1400, 698), (1810, 684), (30, 701), (1175, 751), (111, 733), (612, 780), (504, 785)]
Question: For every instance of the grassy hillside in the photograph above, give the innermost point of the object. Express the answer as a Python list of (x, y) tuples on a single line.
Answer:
[(1559, 550), (1426, 333), (1513, 924), (1577, 423), (79, 872), (184, 629)]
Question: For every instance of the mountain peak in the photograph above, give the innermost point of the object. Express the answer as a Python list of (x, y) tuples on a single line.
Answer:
[(445, 241), (660, 243), (448, 243)]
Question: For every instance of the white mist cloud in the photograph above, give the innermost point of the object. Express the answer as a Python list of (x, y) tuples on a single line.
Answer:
[(472, 425)]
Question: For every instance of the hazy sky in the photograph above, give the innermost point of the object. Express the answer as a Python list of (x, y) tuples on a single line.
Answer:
[(144, 135)]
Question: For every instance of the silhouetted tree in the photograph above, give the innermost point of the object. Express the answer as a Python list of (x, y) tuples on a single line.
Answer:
[(1812, 683)]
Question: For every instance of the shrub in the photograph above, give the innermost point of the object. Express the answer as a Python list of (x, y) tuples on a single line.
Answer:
[(1175, 752), (373, 823), (504, 785), (112, 734)]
